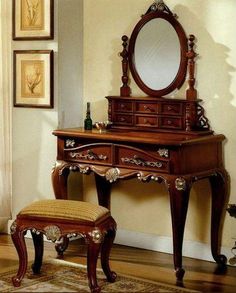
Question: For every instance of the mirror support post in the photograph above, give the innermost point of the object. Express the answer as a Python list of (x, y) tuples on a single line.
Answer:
[(191, 92), (125, 89)]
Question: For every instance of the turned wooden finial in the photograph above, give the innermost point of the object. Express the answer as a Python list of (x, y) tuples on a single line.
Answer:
[(191, 92), (125, 89)]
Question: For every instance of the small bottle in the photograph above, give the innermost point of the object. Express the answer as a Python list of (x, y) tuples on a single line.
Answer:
[(88, 123)]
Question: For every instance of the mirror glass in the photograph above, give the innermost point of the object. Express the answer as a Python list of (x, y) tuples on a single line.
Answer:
[(157, 54)]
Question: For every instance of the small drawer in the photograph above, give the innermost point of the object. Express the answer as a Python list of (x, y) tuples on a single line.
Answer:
[(171, 122), (95, 153), (123, 106), (133, 158), (146, 107), (146, 121), (171, 109), (123, 119)]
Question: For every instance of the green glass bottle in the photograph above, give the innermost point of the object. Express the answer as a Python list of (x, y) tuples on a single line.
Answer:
[(88, 123)]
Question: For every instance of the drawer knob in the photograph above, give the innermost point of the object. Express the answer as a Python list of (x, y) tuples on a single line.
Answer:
[(169, 122), (147, 108), (122, 119)]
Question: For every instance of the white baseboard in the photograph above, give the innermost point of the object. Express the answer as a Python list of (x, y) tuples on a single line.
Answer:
[(164, 244)]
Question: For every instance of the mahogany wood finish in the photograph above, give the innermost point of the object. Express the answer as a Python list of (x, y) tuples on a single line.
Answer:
[(181, 74), (153, 114), (125, 89), (152, 138), (178, 160), (99, 236)]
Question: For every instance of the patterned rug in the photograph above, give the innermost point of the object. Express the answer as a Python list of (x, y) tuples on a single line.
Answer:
[(61, 276)]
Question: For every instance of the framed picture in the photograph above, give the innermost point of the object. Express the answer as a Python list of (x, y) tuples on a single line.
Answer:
[(33, 78), (33, 19)]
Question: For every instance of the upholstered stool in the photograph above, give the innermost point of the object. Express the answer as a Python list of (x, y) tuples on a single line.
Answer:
[(61, 219)]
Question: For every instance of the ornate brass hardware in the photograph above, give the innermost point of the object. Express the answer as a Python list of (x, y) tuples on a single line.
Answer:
[(141, 162), (180, 184), (112, 175), (147, 108), (163, 153), (52, 233), (96, 235), (91, 156), (70, 143)]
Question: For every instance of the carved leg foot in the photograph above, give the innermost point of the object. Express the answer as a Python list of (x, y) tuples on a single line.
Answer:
[(92, 257), (38, 246), (219, 187), (179, 273), (179, 189), (61, 247), (105, 254), (19, 242)]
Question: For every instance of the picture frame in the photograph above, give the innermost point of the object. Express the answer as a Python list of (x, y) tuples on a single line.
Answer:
[(32, 19), (33, 78)]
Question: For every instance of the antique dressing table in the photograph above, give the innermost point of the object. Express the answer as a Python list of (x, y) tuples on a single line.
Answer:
[(158, 138)]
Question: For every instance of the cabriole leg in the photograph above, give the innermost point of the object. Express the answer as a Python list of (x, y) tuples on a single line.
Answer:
[(92, 257), (219, 187), (19, 242), (179, 190), (105, 254), (38, 247)]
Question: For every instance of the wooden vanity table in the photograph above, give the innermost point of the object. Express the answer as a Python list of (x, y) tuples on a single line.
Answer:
[(154, 137)]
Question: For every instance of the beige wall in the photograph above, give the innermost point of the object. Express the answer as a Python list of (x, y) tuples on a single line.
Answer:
[(141, 207), (34, 146)]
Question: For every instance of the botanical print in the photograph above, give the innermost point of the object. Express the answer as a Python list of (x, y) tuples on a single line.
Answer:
[(32, 79), (32, 15)]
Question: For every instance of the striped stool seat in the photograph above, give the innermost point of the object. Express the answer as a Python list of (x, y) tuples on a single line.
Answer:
[(60, 220)]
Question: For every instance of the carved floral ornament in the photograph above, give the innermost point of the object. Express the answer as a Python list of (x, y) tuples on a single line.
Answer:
[(96, 235), (52, 233), (163, 153), (112, 174), (70, 143), (180, 184), (158, 5)]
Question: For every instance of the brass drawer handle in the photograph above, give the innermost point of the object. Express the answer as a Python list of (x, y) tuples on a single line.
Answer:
[(91, 156), (146, 121), (147, 108), (123, 107), (136, 160)]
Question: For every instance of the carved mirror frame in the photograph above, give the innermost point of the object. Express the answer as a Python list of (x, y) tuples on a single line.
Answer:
[(187, 55)]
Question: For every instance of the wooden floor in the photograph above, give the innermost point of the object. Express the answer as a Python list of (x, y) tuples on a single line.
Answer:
[(200, 275)]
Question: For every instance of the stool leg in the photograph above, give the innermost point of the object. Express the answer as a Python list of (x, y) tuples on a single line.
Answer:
[(38, 247), (61, 247), (105, 254), (19, 242), (92, 257)]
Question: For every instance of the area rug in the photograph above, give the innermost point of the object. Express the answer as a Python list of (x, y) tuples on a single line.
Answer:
[(61, 276)]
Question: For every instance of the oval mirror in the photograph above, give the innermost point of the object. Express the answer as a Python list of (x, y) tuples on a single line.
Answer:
[(157, 50)]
